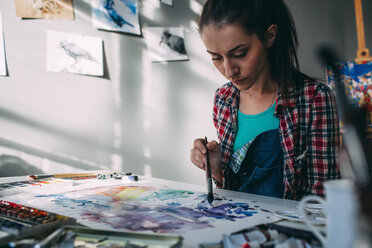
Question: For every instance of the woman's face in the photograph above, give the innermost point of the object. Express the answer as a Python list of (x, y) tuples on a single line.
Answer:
[(240, 57)]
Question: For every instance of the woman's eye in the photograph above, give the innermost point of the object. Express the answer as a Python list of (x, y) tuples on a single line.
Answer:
[(216, 58), (239, 54)]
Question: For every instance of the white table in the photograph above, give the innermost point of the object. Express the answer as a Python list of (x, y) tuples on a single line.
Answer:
[(192, 238)]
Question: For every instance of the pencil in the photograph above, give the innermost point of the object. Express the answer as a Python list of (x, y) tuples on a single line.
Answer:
[(209, 176)]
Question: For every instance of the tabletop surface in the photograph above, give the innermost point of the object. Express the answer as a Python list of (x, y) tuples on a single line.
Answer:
[(155, 206)]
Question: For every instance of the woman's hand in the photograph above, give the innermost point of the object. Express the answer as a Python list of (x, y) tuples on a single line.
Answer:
[(198, 157)]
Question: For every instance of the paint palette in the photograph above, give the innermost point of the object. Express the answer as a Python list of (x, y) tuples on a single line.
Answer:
[(29, 215), (17, 221), (316, 218), (74, 236)]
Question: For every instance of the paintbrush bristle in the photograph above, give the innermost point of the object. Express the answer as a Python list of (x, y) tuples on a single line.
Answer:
[(210, 198)]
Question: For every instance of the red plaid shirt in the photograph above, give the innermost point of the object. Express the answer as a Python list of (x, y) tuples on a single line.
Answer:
[(308, 129)]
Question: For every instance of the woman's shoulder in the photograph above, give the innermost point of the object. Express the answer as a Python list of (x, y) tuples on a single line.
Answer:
[(226, 91), (312, 88)]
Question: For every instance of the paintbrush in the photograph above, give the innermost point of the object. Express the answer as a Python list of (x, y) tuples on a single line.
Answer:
[(209, 176), (70, 175)]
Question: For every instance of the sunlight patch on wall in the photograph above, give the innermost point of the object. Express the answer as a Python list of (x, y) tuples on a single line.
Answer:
[(196, 7), (149, 8)]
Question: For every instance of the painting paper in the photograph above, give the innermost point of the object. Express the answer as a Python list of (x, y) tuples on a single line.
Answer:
[(358, 83), (165, 44), (147, 206), (74, 53), (116, 15), (167, 2), (3, 71), (49, 9)]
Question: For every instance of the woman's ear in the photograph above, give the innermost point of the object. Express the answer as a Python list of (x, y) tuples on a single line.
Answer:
[(271, 35)]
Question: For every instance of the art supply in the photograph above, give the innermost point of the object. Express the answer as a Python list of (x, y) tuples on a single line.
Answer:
[(316, 217), (133, 178), (65, 176), (103, 176), (86, 237), (209, 176), (21, 222), (29, 215), (341, 219)]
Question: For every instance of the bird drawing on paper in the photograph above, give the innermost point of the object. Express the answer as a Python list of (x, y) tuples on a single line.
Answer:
[(115, 17), (76, 52), (174, 42), (46, 6)]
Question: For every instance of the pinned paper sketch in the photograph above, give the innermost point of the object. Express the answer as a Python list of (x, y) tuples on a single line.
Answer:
[(166, 44), (116, 15), (167, 2), (74, 53), (50, 9), (2, 50)]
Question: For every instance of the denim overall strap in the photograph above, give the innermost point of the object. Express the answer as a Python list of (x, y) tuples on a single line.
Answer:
[(261, 171)]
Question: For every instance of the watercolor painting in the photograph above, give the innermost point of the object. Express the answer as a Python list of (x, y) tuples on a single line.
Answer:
[(48, 9), (74, 53), (3, 70), (136, 207), (116, 15), (167, 2), (358, 83), (166, 44)]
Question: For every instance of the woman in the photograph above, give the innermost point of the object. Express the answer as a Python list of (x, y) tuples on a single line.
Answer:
[(277, 127)]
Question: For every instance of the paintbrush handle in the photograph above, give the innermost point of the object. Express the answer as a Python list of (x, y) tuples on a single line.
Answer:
[(67, 175), (209, 175)]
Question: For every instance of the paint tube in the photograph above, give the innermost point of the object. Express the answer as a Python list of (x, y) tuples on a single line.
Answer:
[(254, 238)]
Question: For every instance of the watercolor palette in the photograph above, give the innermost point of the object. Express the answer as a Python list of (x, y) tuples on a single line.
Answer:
[(17, 187), (74, 236), (19, 220)]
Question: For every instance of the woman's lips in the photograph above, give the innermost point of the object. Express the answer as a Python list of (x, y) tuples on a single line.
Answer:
[(238, 81)]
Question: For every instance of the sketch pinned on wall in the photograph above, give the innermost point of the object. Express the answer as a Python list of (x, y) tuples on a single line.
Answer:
[(74, 53), (3, 70), (116, 15), (167, 2), (48, 9), (166, 44)]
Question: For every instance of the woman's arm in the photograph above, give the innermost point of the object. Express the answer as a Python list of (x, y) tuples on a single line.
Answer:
[(322, 142)]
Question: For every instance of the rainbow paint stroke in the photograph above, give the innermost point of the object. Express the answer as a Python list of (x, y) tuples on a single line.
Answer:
[(139, 208)]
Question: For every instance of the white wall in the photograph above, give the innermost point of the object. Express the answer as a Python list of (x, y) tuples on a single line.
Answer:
[(140, 114)]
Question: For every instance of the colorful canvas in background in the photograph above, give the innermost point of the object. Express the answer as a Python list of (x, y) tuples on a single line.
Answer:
[(73, 53), (116, 15), (165, 44), (3, 71), (48, 9), (358, 83)]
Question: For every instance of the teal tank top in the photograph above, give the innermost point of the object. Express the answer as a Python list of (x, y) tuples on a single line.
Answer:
[(249, 126)]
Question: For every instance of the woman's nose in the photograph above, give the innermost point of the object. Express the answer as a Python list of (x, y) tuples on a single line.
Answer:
[(230, 69)]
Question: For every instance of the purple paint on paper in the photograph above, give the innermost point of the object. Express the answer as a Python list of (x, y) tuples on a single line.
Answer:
[(163, 219)]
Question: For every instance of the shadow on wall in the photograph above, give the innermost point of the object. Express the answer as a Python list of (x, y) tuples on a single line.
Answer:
[(11, 166)]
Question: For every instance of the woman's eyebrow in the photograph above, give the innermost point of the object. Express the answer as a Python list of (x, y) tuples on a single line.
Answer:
[(230, 51)]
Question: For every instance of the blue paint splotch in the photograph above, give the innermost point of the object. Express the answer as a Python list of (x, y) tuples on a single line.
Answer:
[(229, 211)]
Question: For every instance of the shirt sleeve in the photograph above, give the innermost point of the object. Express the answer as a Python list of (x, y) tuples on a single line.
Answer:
[(215, 122), (323, 142)]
